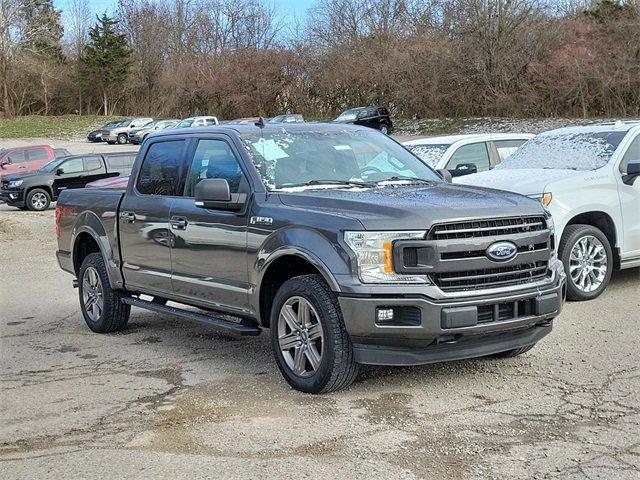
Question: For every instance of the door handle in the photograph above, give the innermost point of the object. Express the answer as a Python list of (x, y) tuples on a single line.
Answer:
[(129, 217), (178, 223)]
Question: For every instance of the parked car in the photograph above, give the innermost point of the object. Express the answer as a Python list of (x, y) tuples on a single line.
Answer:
[(287, 118), (193, 122), (242, 121), (467, 154), (372, 117), (120, 133), (36, 190), (96, 135), (27, 159), (588, 179), (137, 135), (287, 227)]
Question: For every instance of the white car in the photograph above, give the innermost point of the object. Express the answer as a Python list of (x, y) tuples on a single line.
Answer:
[(588, 179), (193, 122), (467, 154)]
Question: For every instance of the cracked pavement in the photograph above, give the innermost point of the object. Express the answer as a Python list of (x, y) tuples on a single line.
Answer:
[(168, 398)]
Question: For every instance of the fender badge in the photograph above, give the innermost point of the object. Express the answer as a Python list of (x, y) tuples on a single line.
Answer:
[(261, 221)]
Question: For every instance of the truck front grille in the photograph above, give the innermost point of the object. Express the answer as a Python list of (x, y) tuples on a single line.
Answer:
[(455, 256), (487, 228), (491, 277)]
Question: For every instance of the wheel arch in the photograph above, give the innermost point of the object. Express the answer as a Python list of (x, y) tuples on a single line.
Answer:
[(603, 222)]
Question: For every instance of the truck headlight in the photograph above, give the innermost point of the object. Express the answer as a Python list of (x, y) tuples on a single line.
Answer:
[(545, 198), (15, 183), (374, 256)]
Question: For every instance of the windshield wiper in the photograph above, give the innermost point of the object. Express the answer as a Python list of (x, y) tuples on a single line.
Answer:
[(332, 182), (397, 178)]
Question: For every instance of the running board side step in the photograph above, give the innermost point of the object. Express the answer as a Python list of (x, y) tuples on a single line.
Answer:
[(239, 328)]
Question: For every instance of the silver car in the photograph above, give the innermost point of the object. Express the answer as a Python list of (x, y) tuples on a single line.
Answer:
[(137, 135), (120, 133)]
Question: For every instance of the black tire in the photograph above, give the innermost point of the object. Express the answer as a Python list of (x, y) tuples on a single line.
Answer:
[(115, 314), (337, 368), (571, 236), (38, 200), (384, 128), (123, 138), (515, 352)]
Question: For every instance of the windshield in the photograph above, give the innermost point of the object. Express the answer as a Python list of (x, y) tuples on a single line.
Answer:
[(333, 159), (429, 154), (185, 123), (562, 151), (348, 115), (51, 166)]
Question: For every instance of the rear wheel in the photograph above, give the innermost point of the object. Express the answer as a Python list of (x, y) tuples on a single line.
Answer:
[(101, 305), (310, 342), (588, 261), (38, 200)]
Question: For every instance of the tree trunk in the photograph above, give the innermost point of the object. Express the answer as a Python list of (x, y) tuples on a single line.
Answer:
[(105, 103)]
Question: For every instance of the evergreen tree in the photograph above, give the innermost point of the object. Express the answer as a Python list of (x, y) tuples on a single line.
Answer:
[(42, 30), (106, 60)]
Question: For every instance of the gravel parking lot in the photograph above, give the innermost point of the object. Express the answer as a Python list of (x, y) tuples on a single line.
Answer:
[(169, 398)]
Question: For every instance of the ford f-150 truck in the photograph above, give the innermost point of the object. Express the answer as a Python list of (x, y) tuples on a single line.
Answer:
[(347, 246)]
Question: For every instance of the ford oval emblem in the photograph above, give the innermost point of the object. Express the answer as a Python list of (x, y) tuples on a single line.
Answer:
[(502, 251)]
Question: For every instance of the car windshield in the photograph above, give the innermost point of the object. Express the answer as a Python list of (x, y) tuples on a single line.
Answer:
[(348, 115), (185, 123), (429, 154), (51, 166), (333, 159), (566, 151)]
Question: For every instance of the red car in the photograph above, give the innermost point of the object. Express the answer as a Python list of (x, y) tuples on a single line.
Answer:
[(27, 159)]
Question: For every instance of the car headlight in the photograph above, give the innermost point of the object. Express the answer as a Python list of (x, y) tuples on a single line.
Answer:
[(374, 256), (15, 183), (545, 199)]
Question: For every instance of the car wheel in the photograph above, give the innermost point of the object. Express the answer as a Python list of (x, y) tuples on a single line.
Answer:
[(588, 261), (101, 305), (310, 342), (384, 129), (123, 138), (514, 353), (38, 200)]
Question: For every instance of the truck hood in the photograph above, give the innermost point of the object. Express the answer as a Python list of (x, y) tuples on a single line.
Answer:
[(20, 176), (411, 207), (523, 181)]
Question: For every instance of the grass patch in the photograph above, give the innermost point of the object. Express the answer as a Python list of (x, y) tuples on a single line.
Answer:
[(59, 127)]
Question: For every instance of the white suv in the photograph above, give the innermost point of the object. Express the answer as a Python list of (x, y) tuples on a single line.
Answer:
[(466, 154), (588, 178)]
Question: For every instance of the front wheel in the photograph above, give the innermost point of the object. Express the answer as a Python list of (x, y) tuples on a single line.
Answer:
[(310, 342), (101, 305), (515, 352), (588, 261), (123, 138), (384, 129), (38, 200)]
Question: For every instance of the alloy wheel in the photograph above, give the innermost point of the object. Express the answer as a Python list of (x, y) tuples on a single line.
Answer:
[(300, 336), (39, 201), (92, 299), (588, 264)]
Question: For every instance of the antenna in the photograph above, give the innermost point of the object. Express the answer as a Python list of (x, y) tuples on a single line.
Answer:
[(260, 122)]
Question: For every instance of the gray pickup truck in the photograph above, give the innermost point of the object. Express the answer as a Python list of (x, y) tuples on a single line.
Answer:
[(342, 242)]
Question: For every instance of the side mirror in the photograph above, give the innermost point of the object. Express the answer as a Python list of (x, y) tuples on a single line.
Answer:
[(214, 193), (464, 169), (60, 171), (445, 174), (633, 172), (5, 161)]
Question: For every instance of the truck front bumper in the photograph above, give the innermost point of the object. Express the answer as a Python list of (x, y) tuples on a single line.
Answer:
[(14, 198), (415, 329)]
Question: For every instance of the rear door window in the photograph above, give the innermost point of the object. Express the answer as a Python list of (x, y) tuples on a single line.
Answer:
[(161, 170), (37, 154), (506, 148), (92, 163), (475, 153)]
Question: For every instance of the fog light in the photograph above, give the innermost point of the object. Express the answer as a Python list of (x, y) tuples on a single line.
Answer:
[(385, 314), (13, 196)]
